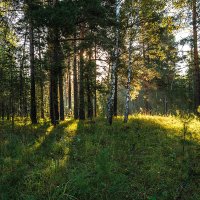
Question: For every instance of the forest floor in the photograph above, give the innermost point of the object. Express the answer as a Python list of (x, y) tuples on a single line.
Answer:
[(141, 160)]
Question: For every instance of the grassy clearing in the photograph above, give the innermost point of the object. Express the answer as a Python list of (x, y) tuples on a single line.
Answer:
[(143, 159)]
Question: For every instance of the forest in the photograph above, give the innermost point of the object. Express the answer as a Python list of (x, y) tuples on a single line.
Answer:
[(99, 100)]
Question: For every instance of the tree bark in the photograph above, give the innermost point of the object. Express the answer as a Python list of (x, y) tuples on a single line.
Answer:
[(54, 73), (128, 82), (95, 86), (12, 99), (54, 113), (116, 93), (113, 81), (62, 117), (89, 84), (32, 69), (2, 111), (82, 89), (54, 47), (41, 85), (81, 83), (69, 86), (21, 80), (42, 99), (75, 81), (8, 111)]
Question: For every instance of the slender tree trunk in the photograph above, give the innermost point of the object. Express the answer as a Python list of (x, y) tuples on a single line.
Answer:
[(55, 81), (196, 57), (25, 101), (2, 111), (69, 86), (32, 68), (90, 106), (54, 73), (82, 89), (89, 82), (62, 117), (113, 70), (54, 47), (21, 80), (95, 86), (41, 85), (116, 93), (12, 98), (21, 90), (42, 99), (75, 81), (128, 82), (65, 90), (54, 113), (8, 111), (81, 83), (51, 106)]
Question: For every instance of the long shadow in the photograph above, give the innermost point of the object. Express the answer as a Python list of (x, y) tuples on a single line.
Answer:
[(14, 147), (24, 135), (27, 154), (55, 136), (141, 160)]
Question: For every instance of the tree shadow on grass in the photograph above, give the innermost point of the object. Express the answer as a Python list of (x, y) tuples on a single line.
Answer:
[(30, 156), (141, 160)]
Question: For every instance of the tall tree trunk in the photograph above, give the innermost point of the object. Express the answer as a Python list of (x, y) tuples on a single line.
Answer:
[(113, 80), (95, 85), (81, 83), (65, 90), (8, 111), (129, 81), (54, 113), (32, 68), (62, 117), (2, 110), (54, 72), (75, 81), (42, 99), (54, 46), (51, 91), (25, 101), (89, 97), (128, 97), (69, 86), (89, 83), (21, 80), (41, 85), (196, 57), (82, 89), (116, 93), (12, 98)]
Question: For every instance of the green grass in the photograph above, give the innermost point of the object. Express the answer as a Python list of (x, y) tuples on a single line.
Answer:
[(143, 159)]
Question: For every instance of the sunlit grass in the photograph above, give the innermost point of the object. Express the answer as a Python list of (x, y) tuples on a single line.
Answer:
[(72, 128), (42, 138), (140, 160)]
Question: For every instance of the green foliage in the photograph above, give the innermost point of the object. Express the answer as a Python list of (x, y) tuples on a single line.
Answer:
[(82, 160)]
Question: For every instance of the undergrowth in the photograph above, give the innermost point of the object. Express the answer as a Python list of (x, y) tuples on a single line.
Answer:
[(140, 160)]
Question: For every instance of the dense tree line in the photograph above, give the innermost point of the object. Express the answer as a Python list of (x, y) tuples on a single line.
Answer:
[(92, 57)]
